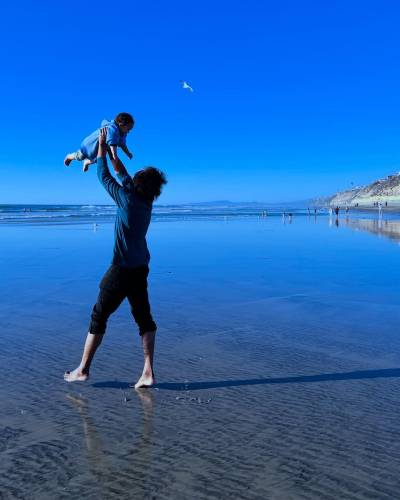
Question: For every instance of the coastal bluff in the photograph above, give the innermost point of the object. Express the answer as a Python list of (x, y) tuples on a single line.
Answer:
[(382, 190)]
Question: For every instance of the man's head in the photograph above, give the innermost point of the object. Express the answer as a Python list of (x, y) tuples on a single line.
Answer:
[(125, 122), (149, 182)]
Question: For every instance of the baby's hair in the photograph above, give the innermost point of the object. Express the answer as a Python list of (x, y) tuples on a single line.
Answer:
[(124, 119)]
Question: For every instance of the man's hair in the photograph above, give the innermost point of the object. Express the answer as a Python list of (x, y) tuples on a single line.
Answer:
[(124, 119), (149, 182)]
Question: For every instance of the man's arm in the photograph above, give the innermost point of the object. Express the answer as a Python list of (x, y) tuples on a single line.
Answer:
[(123, 176), (116, 162), (110, 184), (120, 170)]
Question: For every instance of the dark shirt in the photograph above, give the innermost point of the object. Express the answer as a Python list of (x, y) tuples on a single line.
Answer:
[(132, 220)]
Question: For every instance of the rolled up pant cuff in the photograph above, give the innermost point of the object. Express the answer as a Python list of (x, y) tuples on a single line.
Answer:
[(150, 327), (96, 329)]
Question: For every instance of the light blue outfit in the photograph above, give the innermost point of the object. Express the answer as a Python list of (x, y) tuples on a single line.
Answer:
[(90, 144)]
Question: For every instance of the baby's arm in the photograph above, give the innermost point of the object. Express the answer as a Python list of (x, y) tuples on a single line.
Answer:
[(126, 151)]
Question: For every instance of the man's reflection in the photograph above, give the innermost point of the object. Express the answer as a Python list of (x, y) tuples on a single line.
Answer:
[(101, 465)]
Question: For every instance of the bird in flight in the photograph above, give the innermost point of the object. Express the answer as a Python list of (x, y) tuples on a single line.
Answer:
[(185, 85)]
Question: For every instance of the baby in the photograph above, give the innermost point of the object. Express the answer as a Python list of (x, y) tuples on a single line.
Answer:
[(117, 130)]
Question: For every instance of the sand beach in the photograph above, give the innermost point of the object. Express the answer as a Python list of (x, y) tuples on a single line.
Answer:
[(278, 362)]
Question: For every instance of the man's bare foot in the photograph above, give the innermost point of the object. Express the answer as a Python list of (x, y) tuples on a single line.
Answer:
[(68, 159), (76, 376), (146, 380), (86, 165)]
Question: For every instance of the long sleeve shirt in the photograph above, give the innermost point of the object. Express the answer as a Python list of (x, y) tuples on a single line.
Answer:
[(132, 219)]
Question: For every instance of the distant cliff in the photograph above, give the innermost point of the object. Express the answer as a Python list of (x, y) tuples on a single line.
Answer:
[(382, 190)]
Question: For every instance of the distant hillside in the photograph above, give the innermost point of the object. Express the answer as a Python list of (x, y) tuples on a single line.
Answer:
[(241, 204), (382, 190)]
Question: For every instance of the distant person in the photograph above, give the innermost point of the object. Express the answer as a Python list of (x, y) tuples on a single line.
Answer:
[(386, 204), (127, 275), (315, 211), (337, 211), (117, 131)]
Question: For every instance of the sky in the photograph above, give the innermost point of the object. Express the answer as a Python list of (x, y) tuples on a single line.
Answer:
[(292, 99)]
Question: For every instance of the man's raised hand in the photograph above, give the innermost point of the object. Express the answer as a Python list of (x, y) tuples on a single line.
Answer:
[(102, 149), (103, 135)]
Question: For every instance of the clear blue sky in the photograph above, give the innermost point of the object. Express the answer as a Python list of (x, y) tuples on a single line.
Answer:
[(292, 99)]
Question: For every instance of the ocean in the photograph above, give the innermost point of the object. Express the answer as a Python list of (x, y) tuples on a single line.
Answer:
[(56, 214)]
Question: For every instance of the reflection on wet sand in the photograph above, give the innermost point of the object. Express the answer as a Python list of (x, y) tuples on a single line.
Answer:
[(387, 228), (102, 464)]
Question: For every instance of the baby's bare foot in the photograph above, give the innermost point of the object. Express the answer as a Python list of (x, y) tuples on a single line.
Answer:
[(86, 165), (68, 159), (76, 376)]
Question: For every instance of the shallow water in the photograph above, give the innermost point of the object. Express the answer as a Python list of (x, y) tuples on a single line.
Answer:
[(278, 363)]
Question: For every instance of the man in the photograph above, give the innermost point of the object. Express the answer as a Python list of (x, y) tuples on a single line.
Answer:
[(127, 276)]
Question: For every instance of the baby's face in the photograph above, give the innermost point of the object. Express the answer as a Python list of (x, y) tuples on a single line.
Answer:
[(126, 128)]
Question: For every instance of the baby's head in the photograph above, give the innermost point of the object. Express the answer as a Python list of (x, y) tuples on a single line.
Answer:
[(125, 122)]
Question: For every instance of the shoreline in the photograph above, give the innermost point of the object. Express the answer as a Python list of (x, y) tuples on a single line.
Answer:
[(369, 209)]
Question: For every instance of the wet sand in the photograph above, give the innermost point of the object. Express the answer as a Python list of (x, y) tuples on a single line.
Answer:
[(278, 365)]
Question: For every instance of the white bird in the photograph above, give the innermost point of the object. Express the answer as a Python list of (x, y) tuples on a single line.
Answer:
[(185, 85)]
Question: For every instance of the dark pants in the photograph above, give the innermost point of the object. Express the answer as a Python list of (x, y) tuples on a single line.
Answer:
[(117, 284)]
